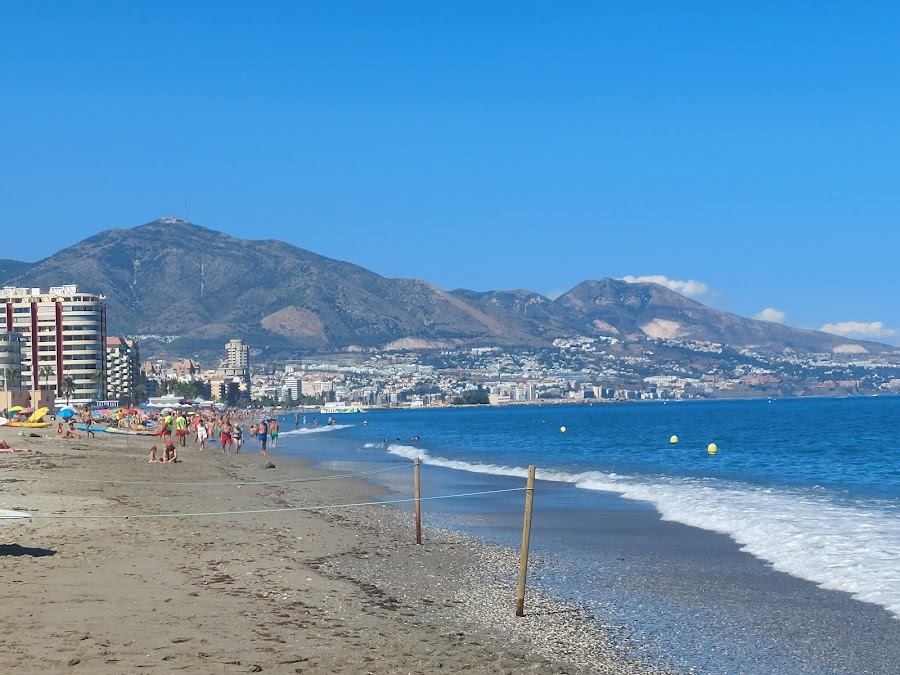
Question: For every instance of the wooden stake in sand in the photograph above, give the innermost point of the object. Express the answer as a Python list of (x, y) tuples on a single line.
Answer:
[(526, 536), (418, 495)]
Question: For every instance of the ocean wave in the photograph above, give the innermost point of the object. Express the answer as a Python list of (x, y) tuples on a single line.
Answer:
[(842, 547), (315, 430)]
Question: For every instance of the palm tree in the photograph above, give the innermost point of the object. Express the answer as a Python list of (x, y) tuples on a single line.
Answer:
[(68, 387), (98, 378), (44, 372), (139, 390), (11, 377)]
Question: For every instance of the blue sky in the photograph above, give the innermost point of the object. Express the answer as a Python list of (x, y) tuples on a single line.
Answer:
[(746, 154)]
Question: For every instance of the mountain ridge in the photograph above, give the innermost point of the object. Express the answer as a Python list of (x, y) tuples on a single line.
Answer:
[(171, 277)]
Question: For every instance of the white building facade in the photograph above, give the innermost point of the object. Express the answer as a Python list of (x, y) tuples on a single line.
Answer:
[(65, 335)]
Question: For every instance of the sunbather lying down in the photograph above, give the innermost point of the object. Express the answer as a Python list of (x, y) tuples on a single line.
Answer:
[(6, 447)]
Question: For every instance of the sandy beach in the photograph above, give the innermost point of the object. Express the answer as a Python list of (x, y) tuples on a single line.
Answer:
[(301, 591)]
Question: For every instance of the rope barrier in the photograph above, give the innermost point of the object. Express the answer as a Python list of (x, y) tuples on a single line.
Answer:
[(273, 510), (177, 482)]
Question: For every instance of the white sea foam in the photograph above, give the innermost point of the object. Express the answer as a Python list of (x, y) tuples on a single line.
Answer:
[(316, 430), (844, 547)]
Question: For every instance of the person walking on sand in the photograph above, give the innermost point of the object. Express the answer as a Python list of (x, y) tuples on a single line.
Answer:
[(167, 423), (226, 435), (202, 433), (262, 433), (181, 431), (238, 437), (88, 421), (273, 432)]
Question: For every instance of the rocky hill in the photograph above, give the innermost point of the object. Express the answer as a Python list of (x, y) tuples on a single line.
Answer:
[(171, 277)]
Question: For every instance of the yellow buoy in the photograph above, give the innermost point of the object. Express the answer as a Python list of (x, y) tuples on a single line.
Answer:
[(674, 439), (712, 448), (562, 429)]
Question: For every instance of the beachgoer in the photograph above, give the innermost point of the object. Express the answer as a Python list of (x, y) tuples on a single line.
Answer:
[(88, 421), (59, 430), (262, 433), (170, 455), (202, 434), (273, 432), (6, 447), (72, 432), (296, 420), (152, 456), (238, 437), (166, 428), (225, 436), (181, 431)]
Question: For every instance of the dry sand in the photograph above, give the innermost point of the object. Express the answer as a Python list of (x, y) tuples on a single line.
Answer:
[(323, 591)]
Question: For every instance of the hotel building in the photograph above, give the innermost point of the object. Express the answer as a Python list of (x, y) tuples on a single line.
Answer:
[(65, 335)]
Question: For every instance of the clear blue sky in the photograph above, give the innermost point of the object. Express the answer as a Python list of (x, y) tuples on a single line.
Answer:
[(753, 148)]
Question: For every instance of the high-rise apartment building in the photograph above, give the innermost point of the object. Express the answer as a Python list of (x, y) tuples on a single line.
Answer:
[(123, 370), (65, 335), (237, 362)]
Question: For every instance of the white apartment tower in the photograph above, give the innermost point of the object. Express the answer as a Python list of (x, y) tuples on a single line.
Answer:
[(123, 368), (237, 362), (65, 335)]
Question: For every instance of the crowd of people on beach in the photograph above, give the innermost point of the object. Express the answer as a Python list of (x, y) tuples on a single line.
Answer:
[(228, 429)]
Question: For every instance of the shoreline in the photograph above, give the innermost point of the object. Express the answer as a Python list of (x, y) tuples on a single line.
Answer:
[(692, 598), (336, 590)]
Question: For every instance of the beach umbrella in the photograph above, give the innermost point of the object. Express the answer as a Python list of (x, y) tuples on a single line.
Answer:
[(66, 413), (16, 408)]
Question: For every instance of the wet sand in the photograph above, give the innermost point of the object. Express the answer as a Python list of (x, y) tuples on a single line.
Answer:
[(322, 591)]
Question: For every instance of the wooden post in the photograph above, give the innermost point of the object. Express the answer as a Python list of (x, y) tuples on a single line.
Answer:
[(418, 493), (526, 536)]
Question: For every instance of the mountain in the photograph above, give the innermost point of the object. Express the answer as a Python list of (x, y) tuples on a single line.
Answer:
[(171, 277), (620, 308), (13, 268)]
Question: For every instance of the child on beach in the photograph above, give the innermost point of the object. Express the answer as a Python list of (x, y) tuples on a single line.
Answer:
[(169, 456)]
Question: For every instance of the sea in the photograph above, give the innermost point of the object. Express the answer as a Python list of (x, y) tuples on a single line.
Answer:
[(726, 536)]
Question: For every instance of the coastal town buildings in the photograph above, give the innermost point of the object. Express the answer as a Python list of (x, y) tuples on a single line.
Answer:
[(65, 334)]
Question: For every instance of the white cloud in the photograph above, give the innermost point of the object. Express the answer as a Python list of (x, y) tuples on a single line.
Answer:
[(553, 295), (690, 288), (859, 329), (771, 314)]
